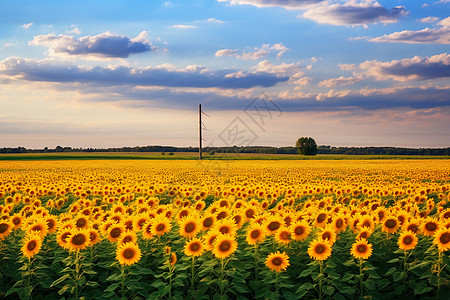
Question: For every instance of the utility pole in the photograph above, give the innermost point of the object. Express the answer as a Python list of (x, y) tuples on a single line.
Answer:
[(200, 131)]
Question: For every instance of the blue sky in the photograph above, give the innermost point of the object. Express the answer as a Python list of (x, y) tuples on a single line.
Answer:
[(129, 73)]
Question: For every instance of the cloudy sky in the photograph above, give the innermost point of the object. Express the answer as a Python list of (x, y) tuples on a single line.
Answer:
[(132, 73)]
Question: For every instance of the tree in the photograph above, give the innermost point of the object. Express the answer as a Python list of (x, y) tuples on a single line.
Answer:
[(306, 146)]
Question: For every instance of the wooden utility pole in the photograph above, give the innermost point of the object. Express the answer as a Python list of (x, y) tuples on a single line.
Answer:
[(200, 131)]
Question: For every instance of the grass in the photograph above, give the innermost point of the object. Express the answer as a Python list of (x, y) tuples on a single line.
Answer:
[(194, 156)]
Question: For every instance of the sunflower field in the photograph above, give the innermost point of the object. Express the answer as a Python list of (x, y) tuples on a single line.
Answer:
[(318, 229)]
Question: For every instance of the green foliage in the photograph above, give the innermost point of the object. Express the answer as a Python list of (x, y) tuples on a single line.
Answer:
[(306, 146)]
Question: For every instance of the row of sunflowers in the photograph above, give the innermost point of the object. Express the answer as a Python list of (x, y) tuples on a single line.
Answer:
[(246, 230)]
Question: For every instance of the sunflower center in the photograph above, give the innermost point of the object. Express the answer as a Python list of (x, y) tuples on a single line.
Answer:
[(274, 225), (445, 238), (3, 227), (249, 213), (320, 249), (277, 261), (79, 239), (16, 221), (321, 217), (255, 234), (284, 235), (224, 229), (64, 236), (81, 223), (366, 223), (413, 228), (447, 215), (92, 236), (194, 247), (401, 219), (127, 239), (208, 222), (115, 232), (326, 235), (237, 219), (183, 213), (363, 235), (31, 245), (221, 215), (190, 227), (431, 226), (407, 240), (128, 253), (361, 248), (224, 246), (339, 223), (299, 230), (50, 224), (160, 227), (390, 223), (36, 228)]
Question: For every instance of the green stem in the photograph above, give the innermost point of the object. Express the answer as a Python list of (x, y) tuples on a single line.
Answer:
[(192, 273), (439, 270), (77, 272), (320, 279), (361, 277), (122, 283), (276, 284)]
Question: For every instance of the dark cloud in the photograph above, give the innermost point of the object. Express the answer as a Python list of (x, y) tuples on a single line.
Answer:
[(166, 76), (105, 45), (353, 13)]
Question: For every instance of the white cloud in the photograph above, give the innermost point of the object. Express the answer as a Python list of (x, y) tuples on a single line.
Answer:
[(287, 4), (105, 45), (213, 20), (341, 81), (27, 26), (258, 53), (354, 13), (429, 20), (439, 35), (181, 26)]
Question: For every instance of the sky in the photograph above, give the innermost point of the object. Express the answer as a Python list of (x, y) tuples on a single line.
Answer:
[(117, 73)]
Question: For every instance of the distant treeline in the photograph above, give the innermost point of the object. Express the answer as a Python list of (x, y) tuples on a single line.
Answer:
[(248, 149)]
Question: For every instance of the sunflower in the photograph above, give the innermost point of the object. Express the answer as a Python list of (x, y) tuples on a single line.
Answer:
[(38, 226), (173, 258), (208, 221), (272, 224), (139, 221), (51, 224), (31, 245), (412, 225), (319, 249), (366, 221), (17, 221), (147, 229), (194, 247), (94, 236), (5, 228), (283, 235), (128, 253), (238, 219), (277, 261), (161, 225), (127, 236), (328, 234), (78, 239), (114, 232), (430, 226), (442, 239), (224, 246), (210, 238), (225, 226), (321, 219), (81, 222), (390, 224), (407, 240), (339, 223), (255, 234), (300, 230), (364, 233), (361, 249), (62, 237), (189, 227)]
